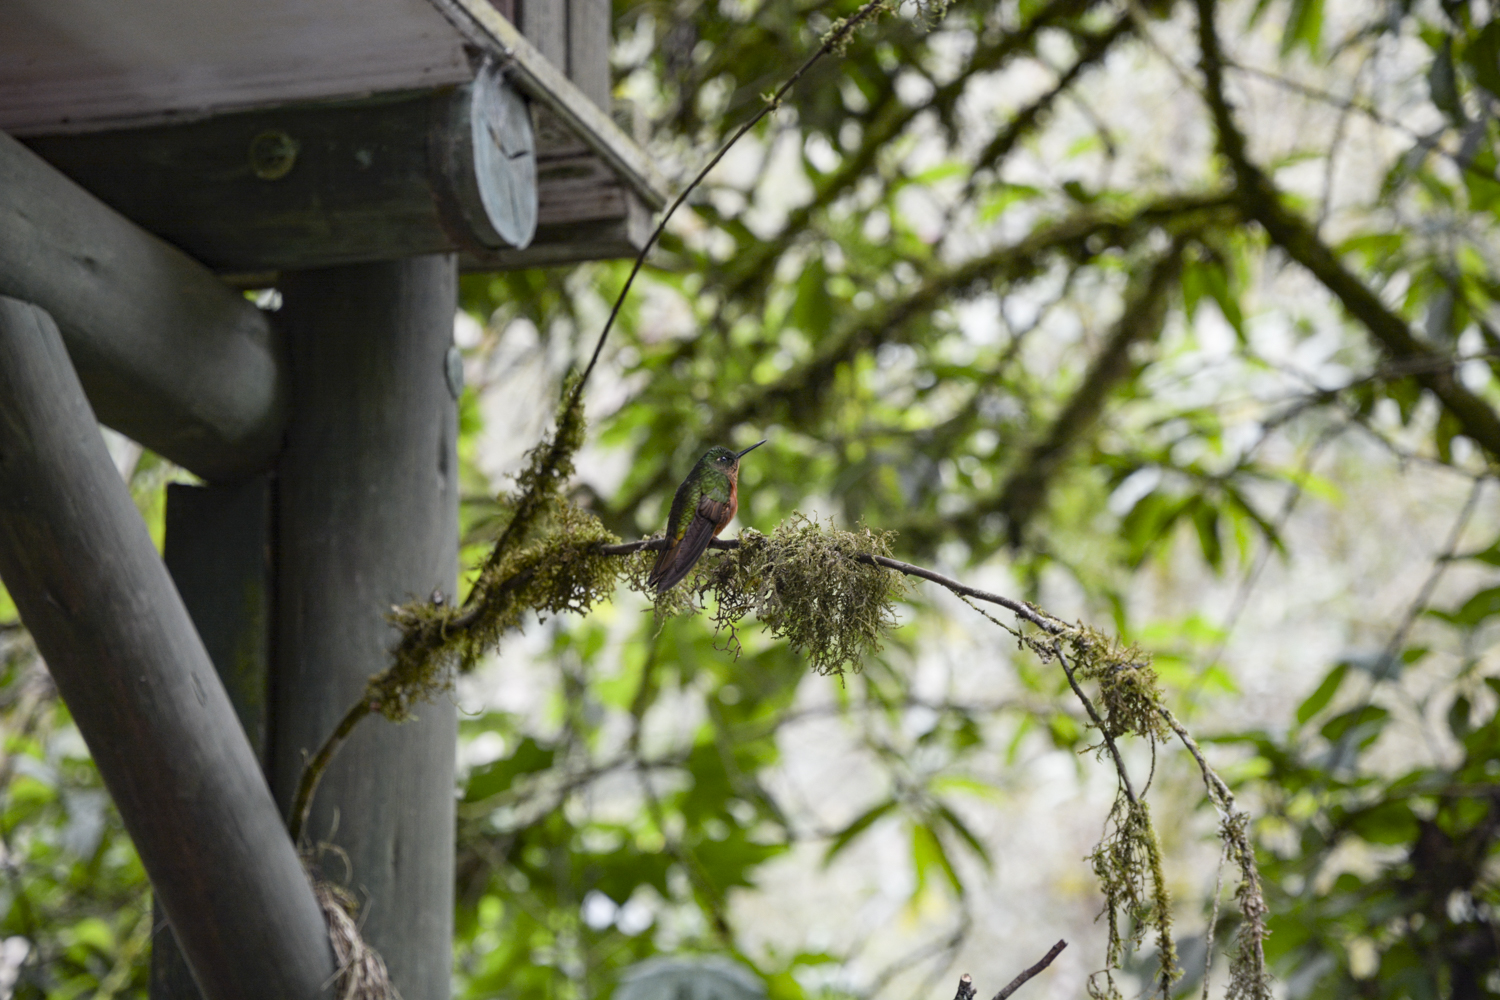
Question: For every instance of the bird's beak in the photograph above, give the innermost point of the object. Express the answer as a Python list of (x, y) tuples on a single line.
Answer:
[(750, 449)]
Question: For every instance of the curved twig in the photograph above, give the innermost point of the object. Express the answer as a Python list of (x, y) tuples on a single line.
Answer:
[(835, 39)]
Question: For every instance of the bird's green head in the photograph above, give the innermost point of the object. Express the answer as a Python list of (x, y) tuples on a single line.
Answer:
[(720, 457)]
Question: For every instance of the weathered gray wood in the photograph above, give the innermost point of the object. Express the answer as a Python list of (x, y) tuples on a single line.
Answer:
[(367, 514), (545, 25), (219, 556), (76, 558), (314, 185), (619, 229), (589, 31), (218, 552), (166, 353), (545, 81), (85, 62), (490, 162)]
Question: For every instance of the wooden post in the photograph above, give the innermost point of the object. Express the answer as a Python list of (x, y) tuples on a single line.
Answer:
[(589, 34), (367, 517), (167, 354), (219, 555), (81, 568)]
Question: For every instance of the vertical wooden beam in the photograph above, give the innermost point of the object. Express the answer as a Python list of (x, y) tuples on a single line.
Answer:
[(82, 569), (367, 517), (589, 30), (219, 555), (545, 25)]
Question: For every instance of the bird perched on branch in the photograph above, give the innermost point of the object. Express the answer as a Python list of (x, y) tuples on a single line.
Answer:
[(703, 505)]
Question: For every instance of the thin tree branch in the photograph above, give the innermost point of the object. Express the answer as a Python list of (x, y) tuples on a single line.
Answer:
[(1145, 311), (1021, 609), (835, 39), (1288, 230), (1026, 976), (312, 773), (1109, 741)]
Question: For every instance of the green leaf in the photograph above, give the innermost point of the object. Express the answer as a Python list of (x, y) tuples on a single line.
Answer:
[(965, 834), (1206, 523), (1458, 717), (1319, 699), (1442, 84), (1304, 27), (498, 776), (1386, 823), (1485, 604), (927, 853), (812, 312), (1482, 56), (1360, 725), (865, 820)]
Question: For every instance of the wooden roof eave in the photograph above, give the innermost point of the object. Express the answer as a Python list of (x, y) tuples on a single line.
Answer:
[(540, 80)]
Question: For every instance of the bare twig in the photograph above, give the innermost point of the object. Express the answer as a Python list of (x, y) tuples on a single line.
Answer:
[(1024, 977), (1109, 741), (834, 40), (312, 773), (965, 988)]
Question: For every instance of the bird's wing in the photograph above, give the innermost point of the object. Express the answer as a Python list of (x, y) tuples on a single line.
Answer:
[(678, 559)]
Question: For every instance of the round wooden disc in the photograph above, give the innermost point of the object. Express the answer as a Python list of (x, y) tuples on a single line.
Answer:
[(504, 151)]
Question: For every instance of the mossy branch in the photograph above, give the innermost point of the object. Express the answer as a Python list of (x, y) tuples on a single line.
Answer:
[(831, 594)]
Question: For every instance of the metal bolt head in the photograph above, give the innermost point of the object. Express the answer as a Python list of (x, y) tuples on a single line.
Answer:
[(273, 154)]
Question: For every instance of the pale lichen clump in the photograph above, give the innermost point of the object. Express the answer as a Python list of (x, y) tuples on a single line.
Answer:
[(1128, 687), (815, 586)]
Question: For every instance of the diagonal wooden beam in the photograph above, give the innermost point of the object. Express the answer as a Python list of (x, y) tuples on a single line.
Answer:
[(81, 568), (167, 353)]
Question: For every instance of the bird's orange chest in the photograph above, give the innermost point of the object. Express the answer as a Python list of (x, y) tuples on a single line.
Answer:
[(734, 502)]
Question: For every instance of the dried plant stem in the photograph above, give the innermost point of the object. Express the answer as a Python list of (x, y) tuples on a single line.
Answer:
[(834, 40), (1109, 741), (312, 773), (1026, 976)]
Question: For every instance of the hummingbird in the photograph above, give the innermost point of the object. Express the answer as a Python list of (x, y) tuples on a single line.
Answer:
[(701, 508)]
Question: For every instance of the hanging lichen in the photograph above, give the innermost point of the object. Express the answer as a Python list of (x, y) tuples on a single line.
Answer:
[(1127, 863), (812, 585)]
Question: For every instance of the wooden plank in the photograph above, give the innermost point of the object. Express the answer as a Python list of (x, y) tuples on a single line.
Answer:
[(79, 64), (565, 239), (326, 183), (167, 354), (367, 510), (589, 34), (545, 25), (79, 564), (218, 553), (180, 181)]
